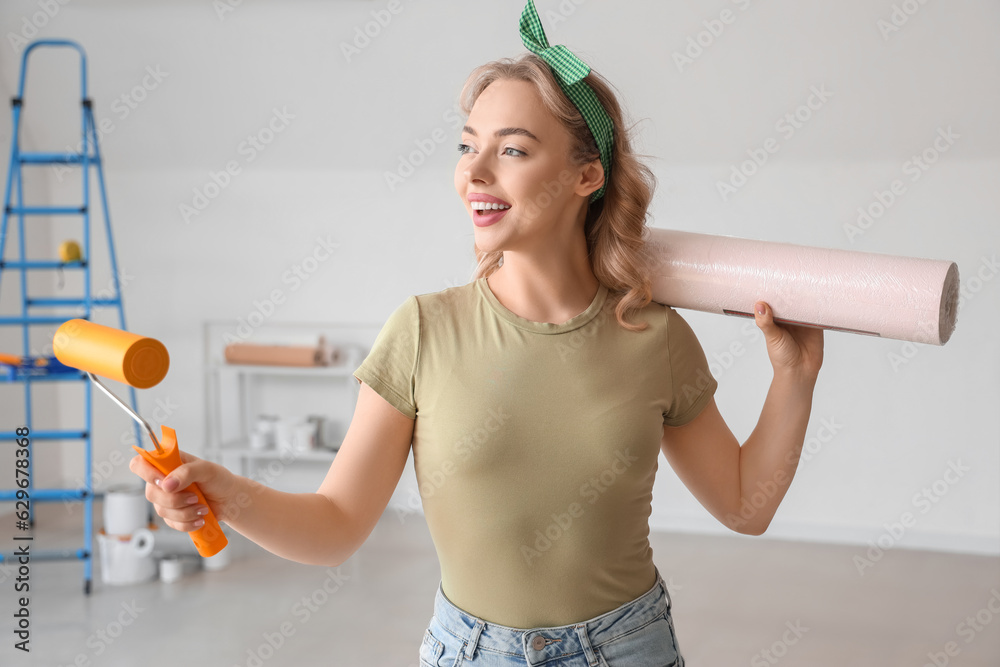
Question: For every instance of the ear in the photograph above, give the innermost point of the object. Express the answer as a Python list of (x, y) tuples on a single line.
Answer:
[(591, 178)]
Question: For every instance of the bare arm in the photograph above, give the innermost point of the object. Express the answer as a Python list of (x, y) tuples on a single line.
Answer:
[(321, 528), (742, 486)]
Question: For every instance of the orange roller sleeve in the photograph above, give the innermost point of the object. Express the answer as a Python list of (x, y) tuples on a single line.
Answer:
[(112, 353)]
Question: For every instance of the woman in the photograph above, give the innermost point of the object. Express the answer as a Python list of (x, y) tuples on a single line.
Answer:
[(537, 399)]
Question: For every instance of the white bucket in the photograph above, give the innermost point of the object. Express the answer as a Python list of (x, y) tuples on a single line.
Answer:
[(127, 559), (126, 509)]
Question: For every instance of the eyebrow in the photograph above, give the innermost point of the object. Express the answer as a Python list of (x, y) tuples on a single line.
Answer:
[(505, 131)]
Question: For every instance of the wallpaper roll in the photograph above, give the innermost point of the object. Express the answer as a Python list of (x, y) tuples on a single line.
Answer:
[(273, 355), (112, 353), (874, 294)]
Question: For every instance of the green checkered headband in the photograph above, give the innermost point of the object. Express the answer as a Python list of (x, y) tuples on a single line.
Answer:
[(570, 72)]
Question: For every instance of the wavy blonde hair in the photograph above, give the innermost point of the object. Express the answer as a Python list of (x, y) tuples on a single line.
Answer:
[(615, 224)]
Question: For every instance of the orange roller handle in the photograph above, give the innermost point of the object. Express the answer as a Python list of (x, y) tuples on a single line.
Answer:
[(209, 539), (112, 353)]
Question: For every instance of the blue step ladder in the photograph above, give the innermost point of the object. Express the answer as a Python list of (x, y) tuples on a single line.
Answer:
[(27, 369)]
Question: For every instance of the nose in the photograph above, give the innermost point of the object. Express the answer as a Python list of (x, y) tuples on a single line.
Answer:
[(479, 167)]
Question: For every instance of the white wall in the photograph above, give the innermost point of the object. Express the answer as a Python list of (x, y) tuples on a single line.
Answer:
[(898, 425)]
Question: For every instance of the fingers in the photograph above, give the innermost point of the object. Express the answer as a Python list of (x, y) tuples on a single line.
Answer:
[(143, 469), (187, 458), (765, 319), (180, 509), (761, 312)]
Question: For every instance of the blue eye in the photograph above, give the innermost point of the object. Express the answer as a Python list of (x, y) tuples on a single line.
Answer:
[(462, 150)]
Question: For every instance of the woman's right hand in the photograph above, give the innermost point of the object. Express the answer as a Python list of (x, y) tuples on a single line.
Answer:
[(179, 508)]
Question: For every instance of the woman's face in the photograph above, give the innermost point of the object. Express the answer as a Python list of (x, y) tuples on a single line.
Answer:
[(526, 168)]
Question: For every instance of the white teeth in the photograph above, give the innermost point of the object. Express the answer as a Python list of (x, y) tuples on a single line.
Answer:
[(485, 206)]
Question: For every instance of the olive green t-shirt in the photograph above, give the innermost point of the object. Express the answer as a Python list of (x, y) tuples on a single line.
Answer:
[(536, 444)]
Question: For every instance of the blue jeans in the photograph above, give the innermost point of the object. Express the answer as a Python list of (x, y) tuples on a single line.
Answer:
[(639, 633)]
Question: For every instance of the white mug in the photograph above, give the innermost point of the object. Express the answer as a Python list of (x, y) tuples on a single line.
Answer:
[(304, 437), (283, 437), (259, 441), (171, 568), (266, 427), (332, 436)]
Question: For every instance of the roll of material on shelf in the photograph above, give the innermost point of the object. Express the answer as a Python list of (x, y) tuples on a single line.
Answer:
[(112, 353), (889, 296)]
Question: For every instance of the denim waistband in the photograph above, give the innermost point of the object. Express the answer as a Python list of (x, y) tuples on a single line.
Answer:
[(544, 643)]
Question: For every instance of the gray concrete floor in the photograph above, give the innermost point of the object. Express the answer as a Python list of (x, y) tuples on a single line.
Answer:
[(734, 598)]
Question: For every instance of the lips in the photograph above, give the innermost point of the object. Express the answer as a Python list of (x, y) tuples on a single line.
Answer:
[(486, 218), (487, 209)]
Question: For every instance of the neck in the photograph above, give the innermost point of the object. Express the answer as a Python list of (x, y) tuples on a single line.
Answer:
[(550, 282)]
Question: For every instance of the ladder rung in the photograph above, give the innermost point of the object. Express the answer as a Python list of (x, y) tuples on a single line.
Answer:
[(46, 210), (38, 319), (45, 435), (38, 157), (49, 495), (42, 264), (13, 375), (71, 302), (49, 554)]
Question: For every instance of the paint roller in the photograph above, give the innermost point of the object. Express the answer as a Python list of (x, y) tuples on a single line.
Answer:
[(140, 362)]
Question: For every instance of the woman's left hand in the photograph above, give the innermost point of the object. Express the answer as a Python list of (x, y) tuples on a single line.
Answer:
[(792, 348)]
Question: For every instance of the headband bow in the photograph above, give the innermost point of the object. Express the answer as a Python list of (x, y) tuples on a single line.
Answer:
[(570, 72)]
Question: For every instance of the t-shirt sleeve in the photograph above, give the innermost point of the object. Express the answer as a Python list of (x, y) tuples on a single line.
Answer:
[(692, 383), (391, 363)]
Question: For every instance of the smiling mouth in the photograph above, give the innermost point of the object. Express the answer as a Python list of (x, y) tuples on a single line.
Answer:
[(485, 217), (485, 213), (487, 208)]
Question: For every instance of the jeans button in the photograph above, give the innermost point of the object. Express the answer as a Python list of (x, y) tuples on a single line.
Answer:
[(538, 643)]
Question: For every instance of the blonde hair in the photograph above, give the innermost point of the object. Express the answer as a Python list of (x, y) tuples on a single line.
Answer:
[(615, 224)]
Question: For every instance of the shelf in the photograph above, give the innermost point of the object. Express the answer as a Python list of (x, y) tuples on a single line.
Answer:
[(306, 371), (238, 394), (247, 453)]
